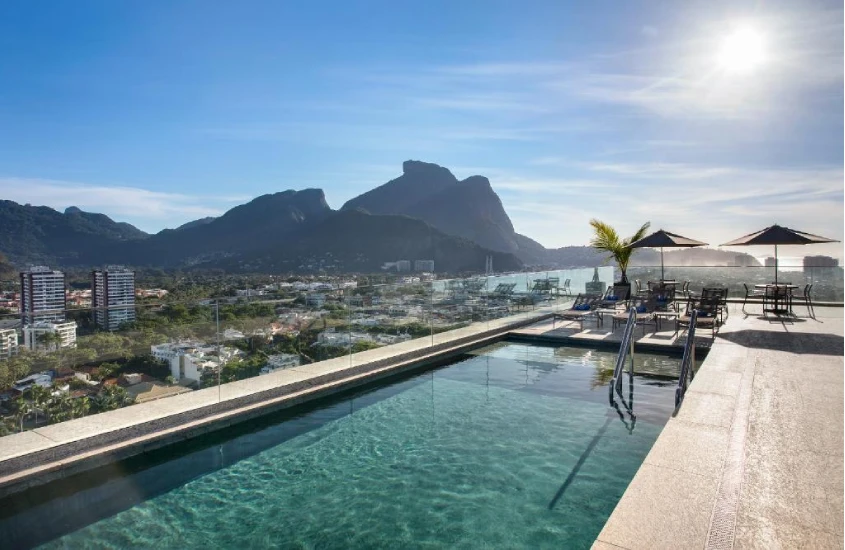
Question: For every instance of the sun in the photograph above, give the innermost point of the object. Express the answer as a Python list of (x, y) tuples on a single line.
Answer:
[(742, 50)]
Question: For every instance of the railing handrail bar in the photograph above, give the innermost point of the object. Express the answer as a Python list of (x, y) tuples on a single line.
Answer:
[(627, 337), (687, 360)]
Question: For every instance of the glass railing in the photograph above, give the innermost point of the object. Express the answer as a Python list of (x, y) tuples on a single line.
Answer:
[(58, 372), (827, 281)]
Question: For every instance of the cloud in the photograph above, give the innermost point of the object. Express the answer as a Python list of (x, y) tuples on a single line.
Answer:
[(649, 31), (150, 210), (714, 203)]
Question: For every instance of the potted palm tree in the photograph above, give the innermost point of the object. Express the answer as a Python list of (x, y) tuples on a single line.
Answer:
[(607, 239)]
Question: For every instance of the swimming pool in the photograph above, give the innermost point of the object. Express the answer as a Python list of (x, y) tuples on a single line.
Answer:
[(512, 445)]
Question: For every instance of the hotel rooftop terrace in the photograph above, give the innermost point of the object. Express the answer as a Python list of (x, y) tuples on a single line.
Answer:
[(753, 458)]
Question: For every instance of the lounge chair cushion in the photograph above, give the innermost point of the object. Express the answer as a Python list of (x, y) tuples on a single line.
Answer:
[(582, 307), (641, 309), (707, 321), (612, 298)]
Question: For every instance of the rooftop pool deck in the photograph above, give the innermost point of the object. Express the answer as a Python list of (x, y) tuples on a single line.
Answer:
[(753, 458)]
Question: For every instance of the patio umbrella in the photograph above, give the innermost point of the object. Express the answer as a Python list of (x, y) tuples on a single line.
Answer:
[(662, 238), (776, 235)]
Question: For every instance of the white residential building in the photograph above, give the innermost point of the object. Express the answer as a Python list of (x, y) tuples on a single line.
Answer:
[(113, 297), (42, 295), (331, 338), (32, 335), (247, 292), (389, 339), (8, 343), (280, 361), (189, 359)]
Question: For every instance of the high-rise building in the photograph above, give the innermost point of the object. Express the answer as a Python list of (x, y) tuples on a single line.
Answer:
[(42, 295), (8, 343), (424, 265), (113, 296), (770, 261), (819, 261), (403, 265)]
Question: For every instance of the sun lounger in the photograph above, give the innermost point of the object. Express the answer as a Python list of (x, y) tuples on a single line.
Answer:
[(584, 306)]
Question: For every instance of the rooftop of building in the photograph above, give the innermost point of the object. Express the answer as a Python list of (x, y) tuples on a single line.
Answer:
[(753, 458)]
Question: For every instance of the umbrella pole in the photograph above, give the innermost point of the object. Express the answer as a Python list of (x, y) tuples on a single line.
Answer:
[(662, 277), (776, 265)]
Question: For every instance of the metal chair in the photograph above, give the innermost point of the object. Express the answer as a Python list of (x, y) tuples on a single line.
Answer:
[(752, 293), (776, 297), (807, 299), (640, 290), (720, 295)]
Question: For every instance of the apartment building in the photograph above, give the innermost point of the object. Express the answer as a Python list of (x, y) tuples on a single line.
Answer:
[(113, 297), (8, 343), (33, 335), (42, 295)]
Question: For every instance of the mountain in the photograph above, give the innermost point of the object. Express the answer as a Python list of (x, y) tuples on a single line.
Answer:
[(467, 208), (39, 234), (241, 230), (7, 270), (195, 223), (285, 231), (354, 240)]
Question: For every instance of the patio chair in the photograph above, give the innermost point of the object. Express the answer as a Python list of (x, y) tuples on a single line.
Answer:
[(584, 306), (645, 312), (664, 296), (720, 294), (640, 290), (566, 289), (806, 298), (708, 314), (685, 290), (751, 293), (777, 299), (615, 296)]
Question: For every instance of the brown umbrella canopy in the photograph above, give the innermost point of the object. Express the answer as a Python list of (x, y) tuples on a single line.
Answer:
[(775, 235), (662, 238)]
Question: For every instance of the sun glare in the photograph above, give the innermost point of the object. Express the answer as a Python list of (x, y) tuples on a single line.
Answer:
[(742, 50)]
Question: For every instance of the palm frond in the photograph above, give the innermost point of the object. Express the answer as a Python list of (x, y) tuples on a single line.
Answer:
[(606, 238)]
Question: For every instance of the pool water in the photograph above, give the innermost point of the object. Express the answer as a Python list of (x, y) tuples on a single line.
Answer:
[(512, 446)]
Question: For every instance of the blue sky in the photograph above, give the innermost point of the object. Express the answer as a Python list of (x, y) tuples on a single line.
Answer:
[(160, 112)]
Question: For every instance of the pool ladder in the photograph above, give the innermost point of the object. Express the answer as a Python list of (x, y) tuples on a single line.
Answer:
[(687, 363), (626, 350)]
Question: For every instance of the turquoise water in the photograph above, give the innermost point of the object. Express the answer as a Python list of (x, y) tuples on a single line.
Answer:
[(514, 446)]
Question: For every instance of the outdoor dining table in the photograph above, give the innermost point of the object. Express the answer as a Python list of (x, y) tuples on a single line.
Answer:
[(781, 296)]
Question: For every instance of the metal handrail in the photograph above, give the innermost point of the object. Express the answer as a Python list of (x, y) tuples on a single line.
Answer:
[(626, 347), (687, 362)]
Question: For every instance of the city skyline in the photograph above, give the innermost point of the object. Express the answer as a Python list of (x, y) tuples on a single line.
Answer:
[(157, 114)]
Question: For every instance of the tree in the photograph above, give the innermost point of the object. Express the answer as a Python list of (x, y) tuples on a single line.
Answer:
[(105, 370), (112, 397), (24, 408), (59, 408), (50, 340), (40, 398), (607, 239), (80, 407)]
